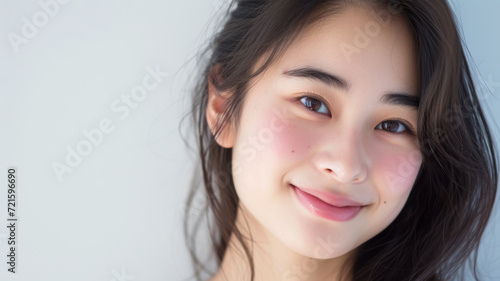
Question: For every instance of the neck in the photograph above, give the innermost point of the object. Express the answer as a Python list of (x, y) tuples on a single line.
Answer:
[(273, 260)]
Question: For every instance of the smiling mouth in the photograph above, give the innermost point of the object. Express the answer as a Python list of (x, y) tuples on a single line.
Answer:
[(325, 210), (330, 197)]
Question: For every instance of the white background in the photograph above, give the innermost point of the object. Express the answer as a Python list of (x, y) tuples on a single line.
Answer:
[(118, 214)]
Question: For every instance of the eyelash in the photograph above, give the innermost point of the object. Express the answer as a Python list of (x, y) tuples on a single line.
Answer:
[(405, 123)]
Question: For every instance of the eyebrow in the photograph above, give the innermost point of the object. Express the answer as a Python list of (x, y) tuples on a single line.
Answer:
[(331, 80)]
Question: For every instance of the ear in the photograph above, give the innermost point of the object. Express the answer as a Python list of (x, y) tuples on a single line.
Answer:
[(216, 104)]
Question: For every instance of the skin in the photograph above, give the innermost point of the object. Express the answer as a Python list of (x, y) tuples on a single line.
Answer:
[(340, 148)]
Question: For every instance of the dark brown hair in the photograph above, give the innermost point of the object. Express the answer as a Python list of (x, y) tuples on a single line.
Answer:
[(442, 222)]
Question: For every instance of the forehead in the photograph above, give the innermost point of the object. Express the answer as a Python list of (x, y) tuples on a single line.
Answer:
[(357, 46)]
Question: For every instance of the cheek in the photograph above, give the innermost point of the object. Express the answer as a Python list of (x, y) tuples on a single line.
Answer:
[(291, 140), (395, 173), (269, 139), (272, 142)]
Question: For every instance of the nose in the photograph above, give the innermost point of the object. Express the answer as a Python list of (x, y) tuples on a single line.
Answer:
[(341, 157)]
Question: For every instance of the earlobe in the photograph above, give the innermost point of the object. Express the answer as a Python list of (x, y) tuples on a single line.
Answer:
[(217, 101)]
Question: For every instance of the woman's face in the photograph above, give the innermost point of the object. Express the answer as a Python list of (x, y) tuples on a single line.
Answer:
[(329, 118)]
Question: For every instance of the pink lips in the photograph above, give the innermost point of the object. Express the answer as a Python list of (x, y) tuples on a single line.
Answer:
[(337, 208)]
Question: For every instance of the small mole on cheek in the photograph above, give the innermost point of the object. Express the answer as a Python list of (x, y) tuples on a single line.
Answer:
[(385, 202)]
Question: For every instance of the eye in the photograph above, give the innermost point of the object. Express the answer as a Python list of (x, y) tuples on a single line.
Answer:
[(315, 103), (396, 126)]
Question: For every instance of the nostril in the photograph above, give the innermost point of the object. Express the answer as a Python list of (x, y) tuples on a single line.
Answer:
[(340, 175)]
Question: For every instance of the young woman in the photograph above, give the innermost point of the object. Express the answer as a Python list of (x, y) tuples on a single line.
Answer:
[(342, 140)]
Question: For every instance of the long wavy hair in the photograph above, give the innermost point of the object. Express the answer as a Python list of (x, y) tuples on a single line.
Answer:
[(440, 227)]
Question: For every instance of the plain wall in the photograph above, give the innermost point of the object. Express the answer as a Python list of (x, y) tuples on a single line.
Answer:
[(116, 213)]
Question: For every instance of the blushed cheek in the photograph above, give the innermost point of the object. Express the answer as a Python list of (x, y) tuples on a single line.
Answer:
[(396, 173), (270, 137), (290, 139)]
